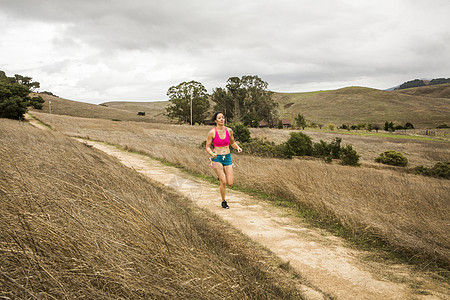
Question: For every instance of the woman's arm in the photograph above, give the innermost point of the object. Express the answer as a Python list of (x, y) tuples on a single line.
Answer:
[(208, 144), (233, 142)]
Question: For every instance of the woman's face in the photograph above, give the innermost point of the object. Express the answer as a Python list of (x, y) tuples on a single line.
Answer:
[(220, 119)]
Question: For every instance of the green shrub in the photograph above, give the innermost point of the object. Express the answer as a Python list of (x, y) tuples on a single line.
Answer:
[(348, 156), (241, 132), (299, 144), (328, 151), (280, 124), (439, 170), (259, 147), (321, 149), (392, 158), (335, 148)]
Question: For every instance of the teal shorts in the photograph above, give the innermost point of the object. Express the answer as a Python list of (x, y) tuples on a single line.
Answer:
[(223, 159)]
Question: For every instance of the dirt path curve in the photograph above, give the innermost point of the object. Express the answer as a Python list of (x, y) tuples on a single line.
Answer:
[(320, 257)]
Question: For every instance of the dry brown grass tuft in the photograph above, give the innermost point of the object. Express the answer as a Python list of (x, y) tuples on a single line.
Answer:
[(75, 223), (408, 211)]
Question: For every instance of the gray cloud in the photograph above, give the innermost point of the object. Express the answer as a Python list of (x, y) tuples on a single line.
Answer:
[(99, 48)]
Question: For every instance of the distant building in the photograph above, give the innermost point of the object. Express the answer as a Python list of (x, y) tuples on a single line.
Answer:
[(286, 123), (263, 124)]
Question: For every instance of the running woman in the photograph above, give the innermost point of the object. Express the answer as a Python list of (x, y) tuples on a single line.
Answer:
[(222, 137)]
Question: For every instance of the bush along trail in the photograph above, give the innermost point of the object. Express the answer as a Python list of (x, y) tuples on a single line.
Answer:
[(332, 268)]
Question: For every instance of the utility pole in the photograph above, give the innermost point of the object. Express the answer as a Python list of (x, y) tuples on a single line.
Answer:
[(191, 110)]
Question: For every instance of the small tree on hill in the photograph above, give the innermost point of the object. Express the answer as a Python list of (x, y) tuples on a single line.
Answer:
[(14, 96), (389, 126), (300, 121)]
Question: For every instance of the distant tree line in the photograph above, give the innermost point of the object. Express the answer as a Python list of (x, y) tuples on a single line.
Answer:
[(15, 96), (420, 82), (439, 81)]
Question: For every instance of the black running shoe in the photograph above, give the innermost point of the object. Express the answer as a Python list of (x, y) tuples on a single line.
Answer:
[(225, 205)]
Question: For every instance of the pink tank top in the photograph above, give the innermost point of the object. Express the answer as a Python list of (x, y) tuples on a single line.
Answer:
[(218, 142)]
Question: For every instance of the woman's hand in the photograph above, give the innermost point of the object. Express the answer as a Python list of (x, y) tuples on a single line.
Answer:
[(239, 149), (214, 155)]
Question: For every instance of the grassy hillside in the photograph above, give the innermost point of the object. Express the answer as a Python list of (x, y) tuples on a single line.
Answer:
[(362, 198), (60, 106), (155, 110), (364, 105), (77, 224)]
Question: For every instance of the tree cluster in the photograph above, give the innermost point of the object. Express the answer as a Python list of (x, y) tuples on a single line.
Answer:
[(188, 102), (391, 127), (439, 81), (14, 96), (243, 100), (411, 84), (420, 82), (388, 126), (246, 100)]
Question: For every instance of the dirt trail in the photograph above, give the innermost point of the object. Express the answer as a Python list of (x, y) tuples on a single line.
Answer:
[(321, 258)]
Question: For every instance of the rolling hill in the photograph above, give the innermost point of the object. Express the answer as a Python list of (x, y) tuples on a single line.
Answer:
[(424, 107), (365, 105), (123, 112)]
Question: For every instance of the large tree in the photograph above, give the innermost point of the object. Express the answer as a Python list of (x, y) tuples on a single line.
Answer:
[(188, 102), (246, 100), (223, 103), (14, 96)]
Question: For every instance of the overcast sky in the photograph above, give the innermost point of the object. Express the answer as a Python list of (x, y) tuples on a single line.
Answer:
[(98, 50)]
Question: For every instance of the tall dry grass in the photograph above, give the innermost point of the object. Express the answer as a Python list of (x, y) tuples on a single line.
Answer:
[(410, 212), (75, 223)]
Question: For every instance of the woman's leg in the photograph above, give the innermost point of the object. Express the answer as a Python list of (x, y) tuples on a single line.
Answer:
[(229, 174), (219, 169)]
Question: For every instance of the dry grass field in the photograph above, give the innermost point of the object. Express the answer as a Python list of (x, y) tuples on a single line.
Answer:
[(76, 223), (409, 212)]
